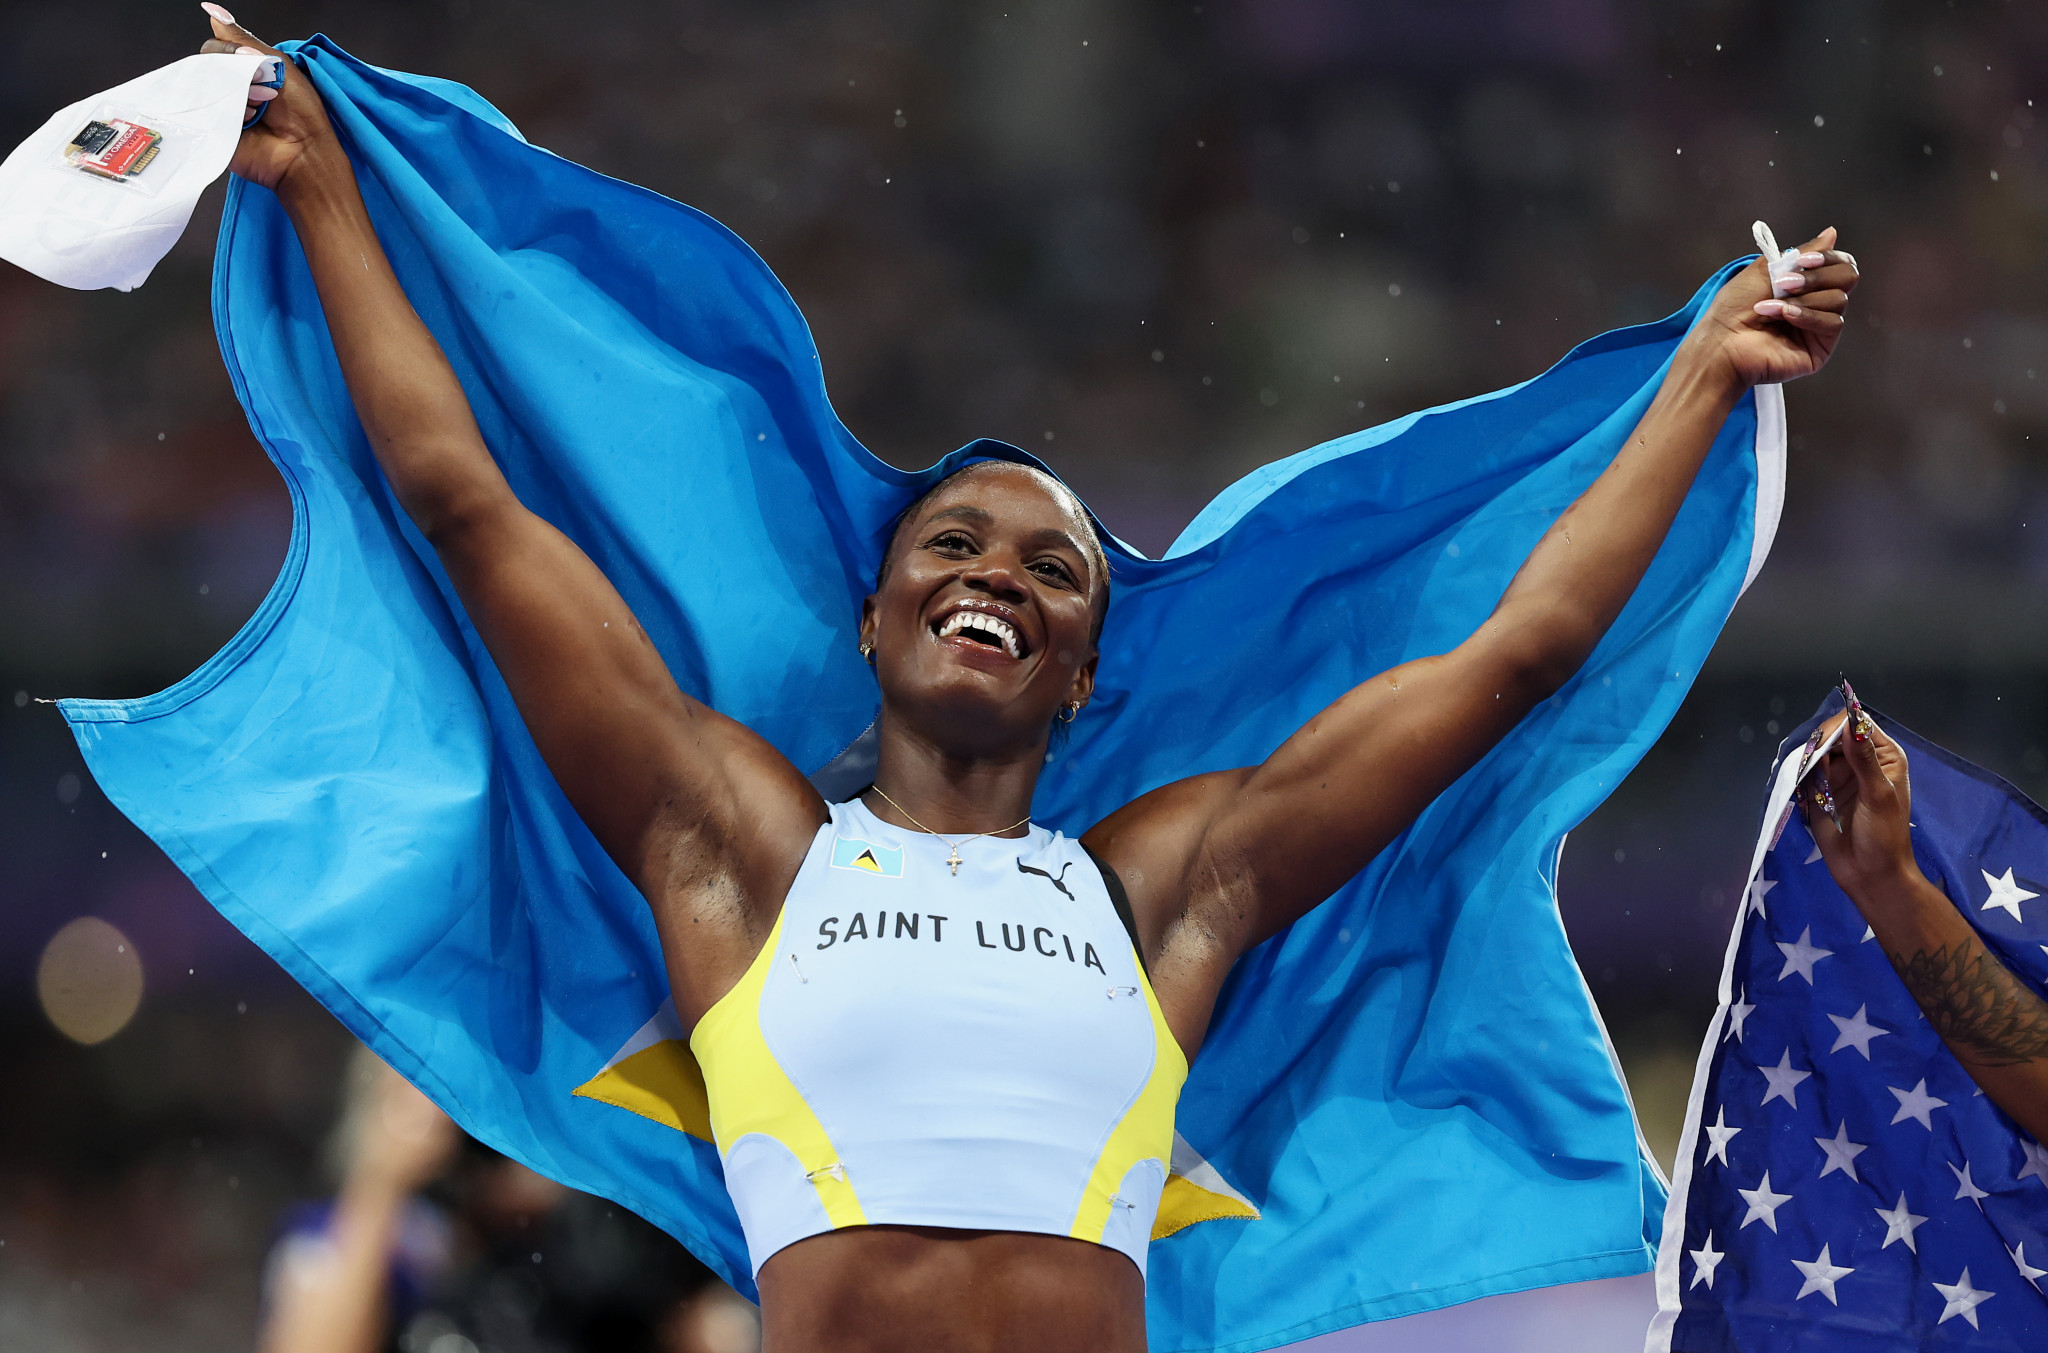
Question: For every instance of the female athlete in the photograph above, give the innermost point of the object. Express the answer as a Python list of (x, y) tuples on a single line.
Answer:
[(985, 1180)]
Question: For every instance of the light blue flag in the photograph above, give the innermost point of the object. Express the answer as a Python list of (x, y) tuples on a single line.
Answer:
[(1405, 1101)]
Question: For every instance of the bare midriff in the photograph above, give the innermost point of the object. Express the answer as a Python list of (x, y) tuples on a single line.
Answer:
[(928, 1289)]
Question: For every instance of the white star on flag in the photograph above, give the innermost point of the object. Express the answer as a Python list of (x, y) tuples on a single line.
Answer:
[(1719, 1134), (1705, 1259), (2037, 1162), (1965, 1187), (1763, 1203), (1801, 955), (1821, 1276), (1784, 1081), (1899, 1224), (1854, 1031), (1841, 1152), (1757, 892), (1737, 1014), (1963, 1300), (2019, 1258), (2007, 894), (1915, 1103)]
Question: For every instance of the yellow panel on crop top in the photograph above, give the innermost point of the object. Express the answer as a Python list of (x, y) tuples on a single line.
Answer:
[(916, 1047)]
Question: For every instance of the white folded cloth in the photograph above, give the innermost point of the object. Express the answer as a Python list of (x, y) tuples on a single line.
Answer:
[(103, 190), (1783, 263)]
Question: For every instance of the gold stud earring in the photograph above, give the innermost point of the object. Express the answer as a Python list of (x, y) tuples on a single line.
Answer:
[(867, 653)]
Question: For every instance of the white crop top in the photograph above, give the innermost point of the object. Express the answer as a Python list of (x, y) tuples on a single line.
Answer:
[(979, 1050)]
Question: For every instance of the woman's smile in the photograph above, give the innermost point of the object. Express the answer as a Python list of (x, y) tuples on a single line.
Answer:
[(982, 628)]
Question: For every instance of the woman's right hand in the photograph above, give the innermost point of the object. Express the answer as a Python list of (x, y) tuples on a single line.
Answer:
[(295, 132)]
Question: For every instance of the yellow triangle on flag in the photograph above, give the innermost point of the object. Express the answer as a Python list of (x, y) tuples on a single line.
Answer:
[(656, 1076), (866, 860), (661, 1082), (1195, 1192)]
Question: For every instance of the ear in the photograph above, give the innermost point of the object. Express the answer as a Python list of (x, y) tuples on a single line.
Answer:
[(1083, 689), (867, 620)]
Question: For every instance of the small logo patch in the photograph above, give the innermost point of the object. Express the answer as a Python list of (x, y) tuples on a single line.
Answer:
[(852, 853)]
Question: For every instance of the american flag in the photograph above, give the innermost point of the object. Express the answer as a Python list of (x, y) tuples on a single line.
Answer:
[(1842, 1182)]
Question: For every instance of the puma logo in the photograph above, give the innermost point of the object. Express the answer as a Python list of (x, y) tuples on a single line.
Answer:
[(1024, 868)]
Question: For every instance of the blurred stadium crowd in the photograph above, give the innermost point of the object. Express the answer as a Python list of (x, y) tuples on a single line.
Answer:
[(1159, 245)]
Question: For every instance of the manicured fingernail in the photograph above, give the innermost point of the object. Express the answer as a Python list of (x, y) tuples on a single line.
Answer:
[(262, 93), (1771, 309), (246, 50), (1791, 282), (1789, 310), (1812, 260), (217, 12)]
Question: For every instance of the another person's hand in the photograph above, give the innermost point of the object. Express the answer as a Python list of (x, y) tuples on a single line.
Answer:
[(296, 126), (1763, 340), (1996, 1025), (1866, 773), (405, 1141)]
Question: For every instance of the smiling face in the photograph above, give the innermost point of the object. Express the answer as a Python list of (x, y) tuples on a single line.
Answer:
[(983, 624)]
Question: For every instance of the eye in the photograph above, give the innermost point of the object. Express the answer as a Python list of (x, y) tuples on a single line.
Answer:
[(951, 542), (1056, 570)]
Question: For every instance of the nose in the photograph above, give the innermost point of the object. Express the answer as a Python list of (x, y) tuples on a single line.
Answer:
[(1000, 577)]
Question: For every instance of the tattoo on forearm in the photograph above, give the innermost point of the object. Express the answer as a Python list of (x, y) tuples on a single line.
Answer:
[(1976, 1003)]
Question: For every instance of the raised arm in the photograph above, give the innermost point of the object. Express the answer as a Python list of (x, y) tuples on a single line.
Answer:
[(1219, 862), (704, 816), (1995, 1025)]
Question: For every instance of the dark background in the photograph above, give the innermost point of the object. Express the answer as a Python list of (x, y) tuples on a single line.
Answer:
[(1159, 244)]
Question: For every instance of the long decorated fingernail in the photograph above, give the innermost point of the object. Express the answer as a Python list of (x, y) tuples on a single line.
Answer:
[(1792, 282), (1826, 798), (1812, 260), (1859, 722), (1770, 309), (217, 12), (262, 93)]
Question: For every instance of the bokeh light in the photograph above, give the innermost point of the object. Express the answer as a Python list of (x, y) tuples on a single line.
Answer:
[(89, 980)]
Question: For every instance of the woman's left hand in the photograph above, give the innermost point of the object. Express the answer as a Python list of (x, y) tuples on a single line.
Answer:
[(1763, 340), (1871, 851)]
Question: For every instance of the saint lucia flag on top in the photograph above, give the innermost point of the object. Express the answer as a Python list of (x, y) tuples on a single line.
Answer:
[(1842, 1183), (1405, 1101)]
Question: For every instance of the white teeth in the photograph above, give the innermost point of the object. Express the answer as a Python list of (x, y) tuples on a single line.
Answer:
[(988, 624)]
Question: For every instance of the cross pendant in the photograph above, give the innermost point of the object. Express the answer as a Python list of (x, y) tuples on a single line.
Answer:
[(953, 858)]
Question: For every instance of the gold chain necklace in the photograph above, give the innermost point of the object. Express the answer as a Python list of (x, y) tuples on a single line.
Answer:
[(952, 847)]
